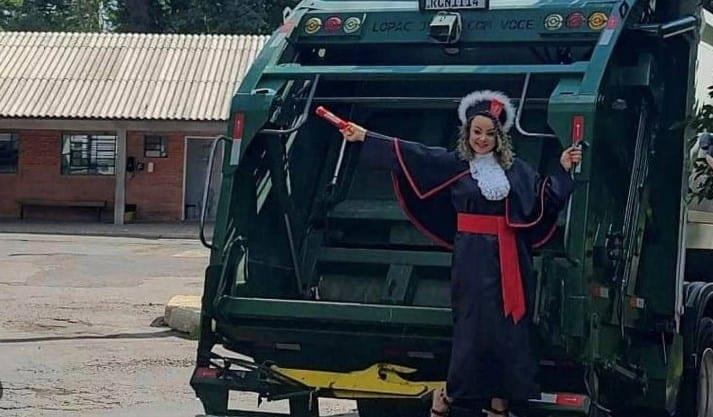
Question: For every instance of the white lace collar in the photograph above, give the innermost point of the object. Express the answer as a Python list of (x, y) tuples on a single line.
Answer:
[(486, 170)]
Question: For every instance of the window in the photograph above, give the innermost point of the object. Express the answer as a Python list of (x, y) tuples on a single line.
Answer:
[(155, 147), (88, 154), (8, 153)]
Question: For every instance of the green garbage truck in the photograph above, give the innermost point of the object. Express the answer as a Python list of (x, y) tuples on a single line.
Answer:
[(318, 285)]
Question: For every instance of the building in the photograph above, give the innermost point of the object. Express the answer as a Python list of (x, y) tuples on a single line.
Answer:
[(109, 122)]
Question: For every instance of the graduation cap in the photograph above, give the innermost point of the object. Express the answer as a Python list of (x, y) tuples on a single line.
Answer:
[(493, 104)]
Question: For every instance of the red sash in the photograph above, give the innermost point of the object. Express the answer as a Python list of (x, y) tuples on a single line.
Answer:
[(511, 281)]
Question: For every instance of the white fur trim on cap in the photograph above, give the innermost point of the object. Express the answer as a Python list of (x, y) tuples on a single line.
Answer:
[(482, 95)]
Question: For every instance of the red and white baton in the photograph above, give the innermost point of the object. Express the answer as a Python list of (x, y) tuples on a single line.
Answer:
[(331, 118), (340, 124)]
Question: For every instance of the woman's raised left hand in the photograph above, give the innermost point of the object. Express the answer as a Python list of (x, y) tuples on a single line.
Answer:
[(570, 157)]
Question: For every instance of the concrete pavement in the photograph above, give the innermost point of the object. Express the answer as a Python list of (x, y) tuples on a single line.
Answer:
[(184, 230), (76, 337)]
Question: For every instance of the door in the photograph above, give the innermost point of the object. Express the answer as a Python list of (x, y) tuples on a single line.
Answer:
[(197, 155)]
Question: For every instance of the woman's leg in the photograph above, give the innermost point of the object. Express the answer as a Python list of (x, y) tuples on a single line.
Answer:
[(498, 408), (499, 404), (441, 403)]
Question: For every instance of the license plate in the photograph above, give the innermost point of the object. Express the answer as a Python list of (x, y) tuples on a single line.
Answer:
[(453, 4)]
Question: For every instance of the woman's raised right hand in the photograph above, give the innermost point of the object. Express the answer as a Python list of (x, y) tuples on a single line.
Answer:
[(353, 133)]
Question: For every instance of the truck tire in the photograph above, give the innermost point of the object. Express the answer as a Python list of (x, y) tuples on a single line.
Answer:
[(392, 408), (696, 394), (704, 392)]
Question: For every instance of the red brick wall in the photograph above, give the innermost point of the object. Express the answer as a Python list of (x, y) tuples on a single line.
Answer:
[(158, 195), (39, 176)]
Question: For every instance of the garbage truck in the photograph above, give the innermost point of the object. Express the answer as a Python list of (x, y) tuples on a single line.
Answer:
[(318, 286)]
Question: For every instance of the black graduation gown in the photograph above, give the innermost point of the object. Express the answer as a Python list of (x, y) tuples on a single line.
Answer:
[(491, 354)]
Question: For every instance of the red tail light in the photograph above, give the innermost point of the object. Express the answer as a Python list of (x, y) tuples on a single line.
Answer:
[(577, 129), (570, 400), (206, 372), (238, 125), (563, 399), (333, 24)]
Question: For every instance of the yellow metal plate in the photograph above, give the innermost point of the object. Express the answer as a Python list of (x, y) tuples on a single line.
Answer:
[(377, 381)]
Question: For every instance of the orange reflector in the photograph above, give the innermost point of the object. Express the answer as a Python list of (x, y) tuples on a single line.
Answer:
[(238, 125), (333, 24), (577, 129), (597, 20), (207, 372)]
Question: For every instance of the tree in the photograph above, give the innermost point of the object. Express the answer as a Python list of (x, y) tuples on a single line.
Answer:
[(144, 16), (85, 16), (52, 15), (138, 16), (8, 9), (198, 16)]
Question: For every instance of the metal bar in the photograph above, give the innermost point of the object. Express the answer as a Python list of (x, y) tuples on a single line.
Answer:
[(245, 413), (416, 71), (334, 312), (303, 117), (518, 114), (293, 252), (206, 187), (384, 256), (377, 99), (368, 210)]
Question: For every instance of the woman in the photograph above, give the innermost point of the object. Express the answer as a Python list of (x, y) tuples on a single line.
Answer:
[(491, 209)]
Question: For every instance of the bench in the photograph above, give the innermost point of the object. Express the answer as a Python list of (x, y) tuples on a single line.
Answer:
[(98, 205)]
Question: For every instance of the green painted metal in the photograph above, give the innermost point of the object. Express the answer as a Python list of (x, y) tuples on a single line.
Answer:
[(241, 308), (416, 72), (328, 265)]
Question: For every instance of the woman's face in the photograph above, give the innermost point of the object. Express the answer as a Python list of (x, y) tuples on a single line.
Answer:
[(482, 135)]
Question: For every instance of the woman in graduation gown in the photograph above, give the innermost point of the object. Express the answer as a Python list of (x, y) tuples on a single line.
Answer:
[(491, 209)]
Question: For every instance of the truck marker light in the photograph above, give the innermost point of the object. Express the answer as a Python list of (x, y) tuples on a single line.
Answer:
[(553, 21), (352, 24), (636, 302), (333, 24), (599, 291), (421, 355), (295, 347), (613, 22), (313, 25), (238, 126), (597, 20), (206, 372), (575, 20), (571, 400), (577, 129), (562, 399)]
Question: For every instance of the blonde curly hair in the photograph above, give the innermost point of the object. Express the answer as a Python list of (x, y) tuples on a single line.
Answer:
[(503, 145)]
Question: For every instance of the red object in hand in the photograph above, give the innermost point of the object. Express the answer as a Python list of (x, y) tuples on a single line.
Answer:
[(331, 118)]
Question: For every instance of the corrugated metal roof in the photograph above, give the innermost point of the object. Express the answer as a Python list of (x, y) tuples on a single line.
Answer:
[(122, 76)]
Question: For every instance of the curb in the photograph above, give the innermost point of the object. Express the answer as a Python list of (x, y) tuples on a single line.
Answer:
[(107, 233), (183, 313)]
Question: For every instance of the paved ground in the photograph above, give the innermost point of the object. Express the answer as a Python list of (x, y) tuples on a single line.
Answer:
[(75, 334), (185, 230)]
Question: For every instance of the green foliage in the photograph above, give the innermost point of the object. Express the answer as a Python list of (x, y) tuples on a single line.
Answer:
[(196, 16), (51, 15), (144, 16)]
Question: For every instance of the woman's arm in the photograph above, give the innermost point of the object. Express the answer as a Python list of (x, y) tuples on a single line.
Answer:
[(380, 151)]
